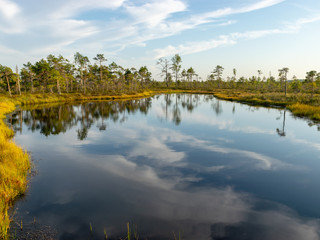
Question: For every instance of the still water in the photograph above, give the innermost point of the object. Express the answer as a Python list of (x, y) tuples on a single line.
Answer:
[(171, 164)]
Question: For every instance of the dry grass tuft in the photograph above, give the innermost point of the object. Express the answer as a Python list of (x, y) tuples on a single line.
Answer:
[(14, 166)]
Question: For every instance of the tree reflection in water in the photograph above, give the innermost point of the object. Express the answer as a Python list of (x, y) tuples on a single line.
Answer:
[(172, 105), (52, 120), (208, 183), (281, 132)]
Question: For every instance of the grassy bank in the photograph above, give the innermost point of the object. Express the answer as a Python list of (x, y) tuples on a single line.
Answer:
[(301, 105), (14, 165)]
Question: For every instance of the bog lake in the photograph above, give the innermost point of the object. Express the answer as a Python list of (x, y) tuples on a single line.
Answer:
[(171, 164)]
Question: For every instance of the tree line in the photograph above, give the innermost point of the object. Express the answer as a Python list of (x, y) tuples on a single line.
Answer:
[(176, 77), (60, 75)]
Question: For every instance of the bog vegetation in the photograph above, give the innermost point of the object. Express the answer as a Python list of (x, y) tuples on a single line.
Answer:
[(56, 78), (14, 164), (56, 74)]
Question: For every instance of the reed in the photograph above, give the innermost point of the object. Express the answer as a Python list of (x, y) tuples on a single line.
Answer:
[(91, 230), (105, 233), (129, 231)]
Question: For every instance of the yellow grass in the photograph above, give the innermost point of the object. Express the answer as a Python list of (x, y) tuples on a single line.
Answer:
[(14, 165), (300, 105), (303, 110)]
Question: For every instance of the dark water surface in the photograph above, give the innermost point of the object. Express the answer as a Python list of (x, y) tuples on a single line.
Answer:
[(188, 164)]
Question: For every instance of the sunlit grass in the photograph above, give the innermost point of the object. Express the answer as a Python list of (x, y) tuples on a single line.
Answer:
[(302, 110), (14, 165), (301, 105)]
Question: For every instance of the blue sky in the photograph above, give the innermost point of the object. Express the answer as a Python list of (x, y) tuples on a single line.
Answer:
[(248, 35)]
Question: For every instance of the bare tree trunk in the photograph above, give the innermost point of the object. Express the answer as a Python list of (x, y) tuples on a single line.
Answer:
[(58, 86), (285, 87), (100, 72), (81, 78), (84, 85), (18, 81), (8, 84), (32, 90), (312, 90)]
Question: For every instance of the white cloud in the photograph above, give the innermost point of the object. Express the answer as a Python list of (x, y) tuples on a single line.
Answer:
[(73, 29), (151, 148), (223, 12), (259, 5), (44, 25), (59, 26), (230, 22), (155, 12), (10, 18), (263, 162), (249, 8), (251, 129), (9, 9), (152, 19), (193, 47), (73, 7), (231, 39), (158, 197), (314, 145)]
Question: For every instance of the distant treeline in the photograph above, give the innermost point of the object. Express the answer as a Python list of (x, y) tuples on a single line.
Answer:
[(60, 75)]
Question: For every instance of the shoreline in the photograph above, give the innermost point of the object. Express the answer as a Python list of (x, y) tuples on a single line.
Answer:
[(300, 105), (14, 168), (15, 162)]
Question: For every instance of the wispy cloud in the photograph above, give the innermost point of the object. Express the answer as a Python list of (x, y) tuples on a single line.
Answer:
[(259, 5), (155, 12), (63, 26), (223, 12), (232, 38), (141, 23), (73, 7), (193, 47)]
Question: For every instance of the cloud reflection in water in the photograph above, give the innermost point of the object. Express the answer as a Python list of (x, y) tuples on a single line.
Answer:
[(163, 178)]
